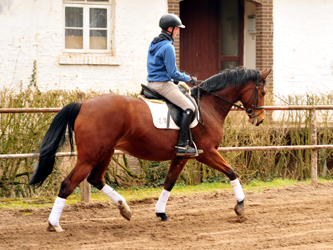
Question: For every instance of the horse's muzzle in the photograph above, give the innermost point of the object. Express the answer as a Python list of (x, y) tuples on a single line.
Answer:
[(258, 123), (255, 121)]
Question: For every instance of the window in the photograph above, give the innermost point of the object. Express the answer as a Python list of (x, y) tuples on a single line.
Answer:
[(87, 26), (232, 34)]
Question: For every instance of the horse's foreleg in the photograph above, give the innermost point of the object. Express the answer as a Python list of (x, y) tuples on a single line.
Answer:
[(216, 161), (175, 169), (96, 178), (239, 194), (78, 174)]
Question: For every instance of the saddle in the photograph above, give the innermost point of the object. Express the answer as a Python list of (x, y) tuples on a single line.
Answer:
[(173, 110)]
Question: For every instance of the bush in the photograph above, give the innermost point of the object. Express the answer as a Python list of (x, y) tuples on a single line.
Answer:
[(23, 133)]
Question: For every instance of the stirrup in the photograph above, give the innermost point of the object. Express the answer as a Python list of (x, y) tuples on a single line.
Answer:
[(186, 153), (197, 152)]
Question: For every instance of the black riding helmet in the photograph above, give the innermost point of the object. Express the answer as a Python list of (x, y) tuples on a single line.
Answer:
[(170, 20)]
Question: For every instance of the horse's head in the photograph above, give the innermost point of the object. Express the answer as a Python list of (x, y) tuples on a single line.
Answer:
[(240, 84), (253, 98)]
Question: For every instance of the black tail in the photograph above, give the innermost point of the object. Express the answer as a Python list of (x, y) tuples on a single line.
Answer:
[(54, 139)]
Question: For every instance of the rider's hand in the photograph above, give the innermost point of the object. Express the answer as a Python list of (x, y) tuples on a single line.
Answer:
[(194, 81)]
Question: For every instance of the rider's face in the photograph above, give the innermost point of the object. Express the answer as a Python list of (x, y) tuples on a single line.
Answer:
[(175, 31)]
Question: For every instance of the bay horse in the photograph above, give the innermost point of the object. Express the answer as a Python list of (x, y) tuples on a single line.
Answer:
[(112, 122)]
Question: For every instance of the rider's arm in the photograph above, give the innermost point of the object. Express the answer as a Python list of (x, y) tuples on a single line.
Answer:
[(170, 64)]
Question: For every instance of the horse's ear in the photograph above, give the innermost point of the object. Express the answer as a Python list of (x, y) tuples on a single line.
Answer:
[(264, 74)]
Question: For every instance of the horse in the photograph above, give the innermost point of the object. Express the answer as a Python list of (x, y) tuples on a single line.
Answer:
[(112, 122)]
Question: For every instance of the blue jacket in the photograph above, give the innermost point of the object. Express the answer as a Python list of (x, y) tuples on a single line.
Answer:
[(161, 63)]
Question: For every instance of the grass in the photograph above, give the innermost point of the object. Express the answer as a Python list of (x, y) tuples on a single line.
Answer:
[(135, 194)]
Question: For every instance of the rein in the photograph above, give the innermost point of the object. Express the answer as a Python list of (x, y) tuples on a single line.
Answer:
[(250, 111)]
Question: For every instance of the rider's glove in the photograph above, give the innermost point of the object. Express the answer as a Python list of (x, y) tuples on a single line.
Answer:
[(194, 81)]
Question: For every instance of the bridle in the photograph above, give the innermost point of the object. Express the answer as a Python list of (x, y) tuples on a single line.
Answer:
[(250, 111), (255, 93)]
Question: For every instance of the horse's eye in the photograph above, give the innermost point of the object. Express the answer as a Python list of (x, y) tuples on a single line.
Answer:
[(263, 93)]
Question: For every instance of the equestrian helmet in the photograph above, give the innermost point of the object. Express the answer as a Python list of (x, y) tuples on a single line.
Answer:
[(170, 20)]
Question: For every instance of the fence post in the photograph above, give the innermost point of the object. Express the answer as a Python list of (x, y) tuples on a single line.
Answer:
[(314, 178), (84, 185)]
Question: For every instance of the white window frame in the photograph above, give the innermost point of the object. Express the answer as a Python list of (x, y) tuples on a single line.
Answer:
[(86, 34)]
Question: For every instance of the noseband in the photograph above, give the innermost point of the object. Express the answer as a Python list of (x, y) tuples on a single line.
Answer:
[(250, 111), (255, 93)]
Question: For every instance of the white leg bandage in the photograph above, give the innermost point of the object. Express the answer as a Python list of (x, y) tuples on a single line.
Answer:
[(112, 194), (238, 190), (160, 205), (58, 206)]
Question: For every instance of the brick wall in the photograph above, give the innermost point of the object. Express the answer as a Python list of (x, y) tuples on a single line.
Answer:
[(264, 36)]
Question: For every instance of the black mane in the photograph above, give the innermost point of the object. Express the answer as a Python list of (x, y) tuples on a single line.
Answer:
[(232, 77)]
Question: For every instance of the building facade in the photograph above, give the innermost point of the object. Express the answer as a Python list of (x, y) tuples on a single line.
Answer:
[(98, 45), (102, 44)]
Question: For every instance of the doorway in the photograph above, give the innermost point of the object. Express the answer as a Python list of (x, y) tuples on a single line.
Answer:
[(213, 39)]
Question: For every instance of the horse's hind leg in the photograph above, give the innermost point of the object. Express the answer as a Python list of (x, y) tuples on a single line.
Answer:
[(78, 174), (175, 169), (96, 178)]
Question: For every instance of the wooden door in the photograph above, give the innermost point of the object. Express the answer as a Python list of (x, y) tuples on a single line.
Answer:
[(213, 38), (199, 40)]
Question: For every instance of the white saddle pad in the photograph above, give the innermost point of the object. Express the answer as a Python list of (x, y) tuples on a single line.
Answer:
[(159, 112)]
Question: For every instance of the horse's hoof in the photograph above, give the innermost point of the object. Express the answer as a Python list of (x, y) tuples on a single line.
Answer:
[(239, 208), (163, 216), (125, 211), (57, 228)]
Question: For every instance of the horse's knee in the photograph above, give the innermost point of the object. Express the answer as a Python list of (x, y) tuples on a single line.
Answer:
[(98, 183)]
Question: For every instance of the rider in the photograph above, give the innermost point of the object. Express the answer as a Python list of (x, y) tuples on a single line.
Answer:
[(162, 72)]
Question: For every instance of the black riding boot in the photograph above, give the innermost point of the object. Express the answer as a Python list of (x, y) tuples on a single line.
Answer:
[(183, 149)]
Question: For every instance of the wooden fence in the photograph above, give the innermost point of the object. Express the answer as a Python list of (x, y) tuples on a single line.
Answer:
[(85, 186)]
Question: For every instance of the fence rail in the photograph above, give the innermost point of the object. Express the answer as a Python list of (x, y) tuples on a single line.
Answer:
[(221, 149), (55, 110), (314, 147), (30, 110)]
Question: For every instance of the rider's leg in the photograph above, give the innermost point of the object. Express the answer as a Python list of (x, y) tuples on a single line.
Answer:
[(171, 92), (182, 146)]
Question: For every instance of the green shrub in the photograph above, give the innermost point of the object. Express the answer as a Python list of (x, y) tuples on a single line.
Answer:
[(23, 133)]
